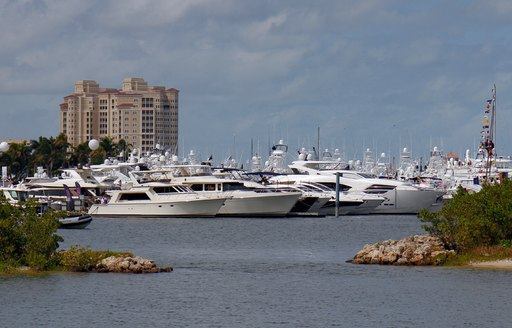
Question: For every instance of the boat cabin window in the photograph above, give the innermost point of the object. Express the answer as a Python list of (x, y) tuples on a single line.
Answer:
[(210, 187), (197, 187), (134, 196), (318, 186), (181, 188), (165, 190), (332, 185), (20, 196), (205, 187), (231, 186), (49, 192), (378, 189)]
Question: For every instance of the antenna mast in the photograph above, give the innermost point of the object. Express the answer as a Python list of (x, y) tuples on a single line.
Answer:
[(489, 132)]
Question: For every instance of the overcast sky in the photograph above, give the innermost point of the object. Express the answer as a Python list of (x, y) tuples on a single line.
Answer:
[(372, 73)]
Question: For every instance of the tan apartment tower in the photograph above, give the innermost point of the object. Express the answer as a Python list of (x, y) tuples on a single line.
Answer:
[(144, 116)]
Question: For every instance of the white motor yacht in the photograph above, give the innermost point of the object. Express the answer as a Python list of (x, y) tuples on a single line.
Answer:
[(400, 197), (240, 200), (157, 201), (350, 203)]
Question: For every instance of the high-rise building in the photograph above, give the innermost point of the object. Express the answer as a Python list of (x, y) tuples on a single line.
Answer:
[(144, 116)]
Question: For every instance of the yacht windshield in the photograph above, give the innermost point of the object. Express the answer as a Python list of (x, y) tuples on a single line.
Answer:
[(20, 196)]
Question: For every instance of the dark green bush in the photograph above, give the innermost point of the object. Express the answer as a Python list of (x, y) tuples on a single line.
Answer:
[(473, 220), (26, 238), (29, 239)]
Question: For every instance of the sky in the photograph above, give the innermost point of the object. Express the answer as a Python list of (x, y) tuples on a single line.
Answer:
[(361, 74)]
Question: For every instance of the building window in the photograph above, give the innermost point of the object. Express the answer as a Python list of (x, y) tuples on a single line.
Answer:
[(147, 102)]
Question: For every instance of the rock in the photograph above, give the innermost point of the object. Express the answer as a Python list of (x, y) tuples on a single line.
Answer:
[(135, 264), (411, 250)]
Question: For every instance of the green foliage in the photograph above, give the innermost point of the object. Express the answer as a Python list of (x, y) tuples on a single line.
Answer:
[(506, 243), (29, 239), (51, 153), (108, 148), (79, 259), (80, 155), (473, 220), (18, 160), (26, 238)]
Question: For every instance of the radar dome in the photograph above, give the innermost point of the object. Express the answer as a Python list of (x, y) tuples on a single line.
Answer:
[(4, 146), (94, 144)]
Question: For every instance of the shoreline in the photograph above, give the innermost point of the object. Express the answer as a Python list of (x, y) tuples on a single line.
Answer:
[(499, 264)]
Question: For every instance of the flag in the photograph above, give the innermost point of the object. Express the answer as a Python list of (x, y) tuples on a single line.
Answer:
[(69, 199), (78, 188), (67, 192)]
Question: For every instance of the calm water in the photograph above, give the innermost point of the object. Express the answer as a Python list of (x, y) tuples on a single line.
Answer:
[(256, 273)]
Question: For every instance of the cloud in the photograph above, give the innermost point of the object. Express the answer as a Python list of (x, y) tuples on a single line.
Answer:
[(359, 70)]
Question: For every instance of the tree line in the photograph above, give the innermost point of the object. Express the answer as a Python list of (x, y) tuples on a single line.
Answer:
[(54, 153)]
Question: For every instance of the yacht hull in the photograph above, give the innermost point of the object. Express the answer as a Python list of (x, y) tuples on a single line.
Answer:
[(259, 204), (367, 207), (409, 201), (184, 208), (353, 204), (345, 207), (75, 221)]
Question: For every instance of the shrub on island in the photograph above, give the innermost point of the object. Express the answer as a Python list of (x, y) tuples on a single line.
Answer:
[(470, 228), (29, 239), (473, 220), (26, 238)]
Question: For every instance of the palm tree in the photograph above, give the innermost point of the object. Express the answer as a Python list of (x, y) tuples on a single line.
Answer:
[(108, 146), (80, 155), (124, 148), (18, 159), (51, 152), (62, 145)]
